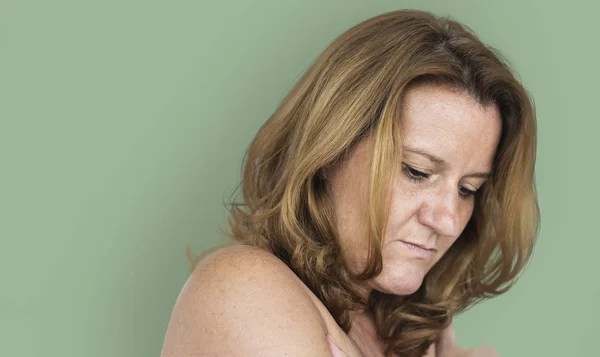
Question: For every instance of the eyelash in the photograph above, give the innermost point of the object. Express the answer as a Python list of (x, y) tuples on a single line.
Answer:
[(416, 176)]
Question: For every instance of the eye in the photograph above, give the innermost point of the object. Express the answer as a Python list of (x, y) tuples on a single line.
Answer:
[(466, 193), (414, 174)]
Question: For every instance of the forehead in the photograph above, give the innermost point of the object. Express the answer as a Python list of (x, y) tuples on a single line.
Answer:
[(450, 124)]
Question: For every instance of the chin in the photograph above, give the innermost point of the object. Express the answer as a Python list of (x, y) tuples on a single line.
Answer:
[(405, 280)]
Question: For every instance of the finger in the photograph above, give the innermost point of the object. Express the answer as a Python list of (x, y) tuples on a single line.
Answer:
[(487, 351)]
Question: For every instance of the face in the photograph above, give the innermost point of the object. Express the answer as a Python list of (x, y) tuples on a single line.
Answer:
[(449, 142)]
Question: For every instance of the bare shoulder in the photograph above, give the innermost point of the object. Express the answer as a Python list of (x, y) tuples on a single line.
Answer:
[(243, 301)]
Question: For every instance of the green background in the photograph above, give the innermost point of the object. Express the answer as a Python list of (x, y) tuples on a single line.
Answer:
[(122, 129)]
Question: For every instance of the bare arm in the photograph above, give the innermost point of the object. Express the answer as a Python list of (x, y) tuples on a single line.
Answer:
[(244, 302)]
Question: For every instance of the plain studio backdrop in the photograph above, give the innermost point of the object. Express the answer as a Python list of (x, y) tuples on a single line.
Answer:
[(122, 129)]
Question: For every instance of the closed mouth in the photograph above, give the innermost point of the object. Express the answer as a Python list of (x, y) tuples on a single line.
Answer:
[(431, 249)]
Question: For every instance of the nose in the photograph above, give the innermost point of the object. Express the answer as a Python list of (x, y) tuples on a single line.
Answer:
[(441, 212)]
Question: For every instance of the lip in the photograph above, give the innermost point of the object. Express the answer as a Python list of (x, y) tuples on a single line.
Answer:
[(422, 246), (419, 249)]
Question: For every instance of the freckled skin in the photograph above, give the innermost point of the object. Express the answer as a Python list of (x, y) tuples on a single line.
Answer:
[(449, 125)]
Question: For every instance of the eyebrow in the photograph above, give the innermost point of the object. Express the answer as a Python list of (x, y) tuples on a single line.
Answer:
[(441, 162)]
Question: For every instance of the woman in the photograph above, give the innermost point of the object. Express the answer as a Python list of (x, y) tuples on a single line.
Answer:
[(392, 189)]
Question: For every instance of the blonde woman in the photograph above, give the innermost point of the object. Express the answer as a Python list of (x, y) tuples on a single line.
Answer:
[(392, 189)]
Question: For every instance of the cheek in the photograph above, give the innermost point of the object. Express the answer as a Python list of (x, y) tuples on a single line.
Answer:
[(352, 226), (407, 197), (404, 206)]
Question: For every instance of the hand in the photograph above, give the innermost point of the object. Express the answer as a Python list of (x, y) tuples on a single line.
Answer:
[(446, 347), (482, 351)]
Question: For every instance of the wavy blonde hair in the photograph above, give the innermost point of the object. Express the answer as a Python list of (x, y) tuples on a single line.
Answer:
[(354, 90)]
